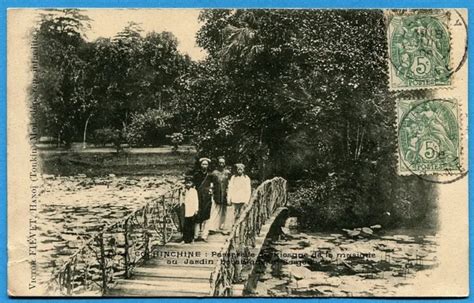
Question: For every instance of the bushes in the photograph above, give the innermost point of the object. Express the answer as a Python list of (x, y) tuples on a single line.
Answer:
[(151, 128), (318, 205), (329, 205), (148, 128), (107, 135), (347, 201), (176, 140)]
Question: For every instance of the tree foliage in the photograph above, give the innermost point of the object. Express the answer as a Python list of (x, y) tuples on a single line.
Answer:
[(303, 94), (148, 128), (105, 82), (61, 72)]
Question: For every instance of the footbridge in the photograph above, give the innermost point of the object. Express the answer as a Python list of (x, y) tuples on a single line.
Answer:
[(140, 255)]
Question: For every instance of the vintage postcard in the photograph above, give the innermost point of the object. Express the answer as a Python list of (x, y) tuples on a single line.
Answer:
[(237, 152)]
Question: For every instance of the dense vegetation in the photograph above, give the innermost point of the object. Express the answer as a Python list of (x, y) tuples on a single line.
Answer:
[(297, 93), (97, 91)]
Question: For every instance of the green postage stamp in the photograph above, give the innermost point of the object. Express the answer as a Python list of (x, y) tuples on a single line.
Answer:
[(429, 137), (419, 51)]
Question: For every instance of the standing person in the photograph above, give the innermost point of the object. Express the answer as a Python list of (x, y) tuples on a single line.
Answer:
[(202, 179), (239, 190), (191, 207), (219, 210)]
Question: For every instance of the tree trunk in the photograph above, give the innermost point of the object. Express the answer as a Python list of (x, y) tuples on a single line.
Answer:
[(263, 158), (84, 145)]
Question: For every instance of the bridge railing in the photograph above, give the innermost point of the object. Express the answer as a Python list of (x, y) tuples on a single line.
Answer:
[(268, 197), (113, 252)]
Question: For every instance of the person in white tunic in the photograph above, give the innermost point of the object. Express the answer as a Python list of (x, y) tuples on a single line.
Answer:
[(239, 190), (191, 207)]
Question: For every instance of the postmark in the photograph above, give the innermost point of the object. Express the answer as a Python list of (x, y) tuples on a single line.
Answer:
[(419, 51), (429, 137)]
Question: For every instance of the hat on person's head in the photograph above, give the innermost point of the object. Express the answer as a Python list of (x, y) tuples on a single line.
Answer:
[(240, 165), (204, 159), (188, 178), (221, 158)]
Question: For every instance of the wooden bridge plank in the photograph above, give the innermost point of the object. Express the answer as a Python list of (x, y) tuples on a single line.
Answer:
[(171, 276), (166, 285), (193, 280), (161, 294), (133, 287), (183, 272), (157, 277), (153, 293)]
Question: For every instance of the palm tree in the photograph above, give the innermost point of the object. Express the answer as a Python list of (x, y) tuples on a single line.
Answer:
[(242, 42)]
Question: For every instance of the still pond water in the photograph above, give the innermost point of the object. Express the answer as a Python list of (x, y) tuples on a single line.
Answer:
[(298, 264)]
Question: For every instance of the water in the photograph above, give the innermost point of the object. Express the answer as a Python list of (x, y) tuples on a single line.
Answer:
[(332, 264), (71, 209)]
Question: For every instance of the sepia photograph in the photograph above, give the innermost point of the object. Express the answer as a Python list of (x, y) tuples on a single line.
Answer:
[(237, 152)]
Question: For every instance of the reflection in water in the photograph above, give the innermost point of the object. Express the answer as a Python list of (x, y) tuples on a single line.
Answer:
[(331, 264)]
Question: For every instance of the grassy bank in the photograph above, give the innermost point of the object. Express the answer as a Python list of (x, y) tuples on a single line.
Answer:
[(102, 163)]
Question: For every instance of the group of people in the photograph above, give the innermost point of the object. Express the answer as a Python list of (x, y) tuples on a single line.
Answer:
[(213, 199)]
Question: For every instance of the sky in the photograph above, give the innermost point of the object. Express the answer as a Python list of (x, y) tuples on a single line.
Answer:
[(183, 23)]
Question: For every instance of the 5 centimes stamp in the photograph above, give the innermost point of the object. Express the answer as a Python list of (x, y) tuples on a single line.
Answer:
[(429, 137), (419, 51)]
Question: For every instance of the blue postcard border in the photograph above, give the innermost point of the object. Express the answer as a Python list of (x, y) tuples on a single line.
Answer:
[(5, 4)]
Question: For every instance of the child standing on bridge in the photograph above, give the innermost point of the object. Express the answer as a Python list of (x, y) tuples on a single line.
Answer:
[(191, 206)]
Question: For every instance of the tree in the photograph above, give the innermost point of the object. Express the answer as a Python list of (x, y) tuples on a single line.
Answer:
[(305, 85), (136, 75), (103, 84), (123, 89), (148, 128), (60, 72), (162, 64)]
